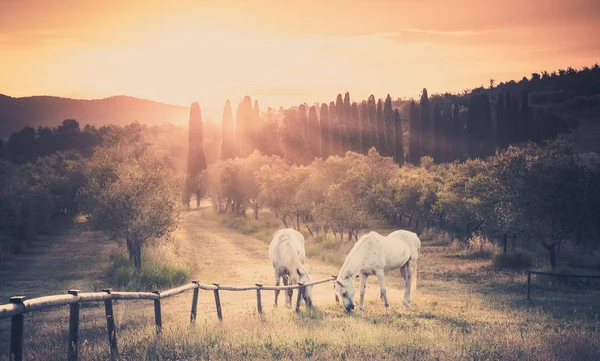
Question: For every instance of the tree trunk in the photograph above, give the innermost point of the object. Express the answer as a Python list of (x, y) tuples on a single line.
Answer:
[(505, 244), (137, 262), (409, 221), (298, 222), (307, 227), (284, 220), (552, 253), (417, 225), (514, 242), (255, 214)]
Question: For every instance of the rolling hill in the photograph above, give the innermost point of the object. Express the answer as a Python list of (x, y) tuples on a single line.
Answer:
[(15, 113)]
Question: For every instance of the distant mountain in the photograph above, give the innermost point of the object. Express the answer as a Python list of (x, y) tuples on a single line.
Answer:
[(15, 113)]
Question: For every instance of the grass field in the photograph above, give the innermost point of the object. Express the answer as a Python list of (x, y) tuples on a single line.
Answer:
[(463, 310)]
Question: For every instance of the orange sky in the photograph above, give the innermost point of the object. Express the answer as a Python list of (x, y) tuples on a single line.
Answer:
[(285, 52)]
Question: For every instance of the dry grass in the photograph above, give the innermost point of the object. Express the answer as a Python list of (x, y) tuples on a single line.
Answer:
[(464, 309)]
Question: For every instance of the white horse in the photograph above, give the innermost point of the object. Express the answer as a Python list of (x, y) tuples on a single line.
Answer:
[(287, 255), (372, 255)]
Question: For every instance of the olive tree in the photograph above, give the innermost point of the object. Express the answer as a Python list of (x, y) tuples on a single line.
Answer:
[(131, 193)]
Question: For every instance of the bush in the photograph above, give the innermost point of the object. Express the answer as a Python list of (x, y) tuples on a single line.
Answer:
[(153, 275), (437, 237), (518, 259), (480, 246)]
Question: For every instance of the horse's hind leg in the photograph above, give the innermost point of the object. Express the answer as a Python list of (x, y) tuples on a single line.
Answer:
[(363, 288), (410, 269), (381, 278), (277, 282)]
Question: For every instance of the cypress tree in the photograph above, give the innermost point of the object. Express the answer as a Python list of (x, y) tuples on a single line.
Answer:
[(438, 134), (303, 121), (355, 135), (487, 137), (196, 159), (314, 133), (426, 125), (372, 105), (448, 134), (227, 134), (336, 134), (364, 129), (527, 126), (509, 113), (325, 132), (473, 134), (244, 127), (414, 150), (398, 141), (257, 136), (458, 137), (501, 123), (388, 121), (380, 126)]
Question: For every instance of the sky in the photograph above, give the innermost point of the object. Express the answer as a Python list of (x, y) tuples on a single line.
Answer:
[(285, 52)]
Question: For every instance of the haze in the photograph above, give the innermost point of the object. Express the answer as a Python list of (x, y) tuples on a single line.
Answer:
[(283, 52)]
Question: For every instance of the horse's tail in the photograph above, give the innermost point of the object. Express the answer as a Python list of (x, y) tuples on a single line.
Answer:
[(413, 281)]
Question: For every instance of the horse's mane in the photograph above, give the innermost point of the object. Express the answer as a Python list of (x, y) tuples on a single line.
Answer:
[(354, 251)]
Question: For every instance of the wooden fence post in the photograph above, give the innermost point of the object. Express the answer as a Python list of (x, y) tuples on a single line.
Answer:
[(218, 302), (194, 303), (16, 331), (258, 298), (299, 299), (74, 327), (528, 286), (157, 313), (110, 325)]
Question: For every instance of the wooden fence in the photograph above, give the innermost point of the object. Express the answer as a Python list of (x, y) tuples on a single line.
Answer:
[(19, 305), (529, 273)]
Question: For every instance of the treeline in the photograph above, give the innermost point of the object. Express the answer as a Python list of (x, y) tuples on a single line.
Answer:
[(548, 195), (446, 127)]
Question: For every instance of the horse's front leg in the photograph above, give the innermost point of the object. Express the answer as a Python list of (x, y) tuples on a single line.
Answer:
[(277, 280), (381, 278), (410, 267), (289, 293), (363, 288)]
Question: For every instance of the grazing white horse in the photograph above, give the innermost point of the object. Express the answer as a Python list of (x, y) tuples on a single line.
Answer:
[(287, 255), (372, 255)]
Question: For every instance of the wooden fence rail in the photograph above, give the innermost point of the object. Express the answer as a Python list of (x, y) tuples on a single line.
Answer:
[(529, 273), (19, 305)]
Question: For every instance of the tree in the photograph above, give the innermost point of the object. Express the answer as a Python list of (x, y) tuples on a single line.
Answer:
[(487, 147), (458, 136), (373, 122), (364, 127), (439, 134), (131, 194), (196, 159), (501, 123), (473, 127), (336, 136), (314, 133), (380, 126), (426, 129), (414, 150), (325, 124), (355, 132), (388, 117), (293, 134), (398, 141), (244, 128)]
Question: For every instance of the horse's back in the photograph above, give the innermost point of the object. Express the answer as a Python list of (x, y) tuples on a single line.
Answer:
[(408, 237), (287, 246)]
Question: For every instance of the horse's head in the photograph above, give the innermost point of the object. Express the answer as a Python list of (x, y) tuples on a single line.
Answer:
[(304, 277), (345, 288)]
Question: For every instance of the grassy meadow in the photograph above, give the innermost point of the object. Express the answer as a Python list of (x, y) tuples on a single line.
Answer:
[(464, 309)]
